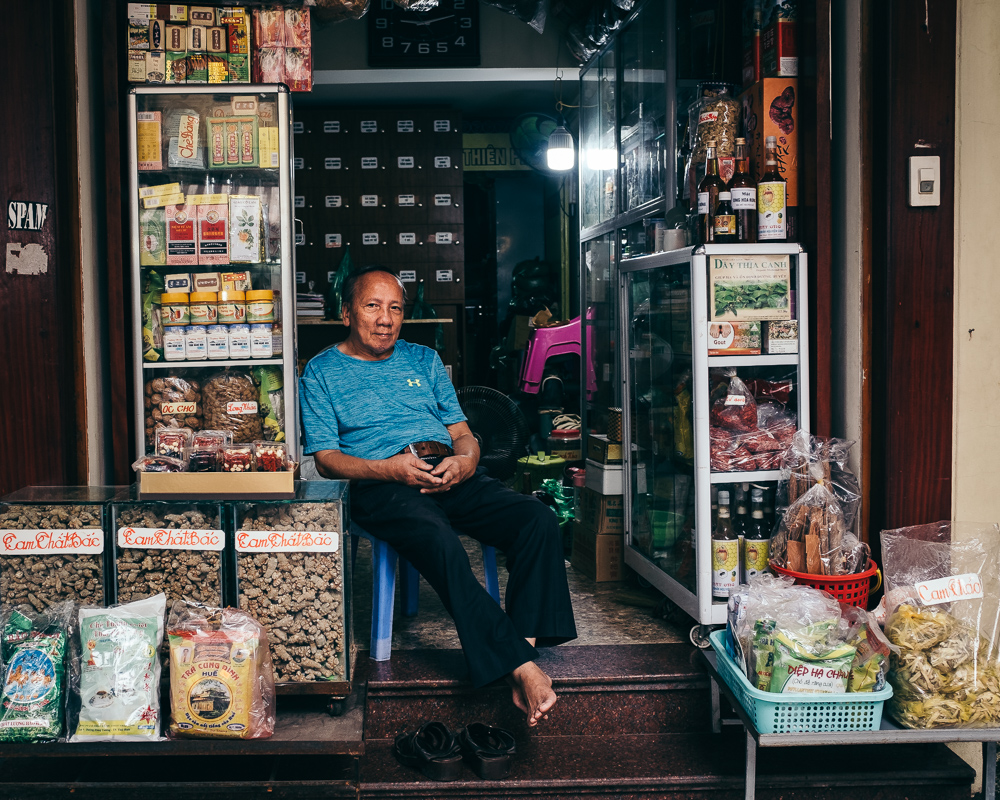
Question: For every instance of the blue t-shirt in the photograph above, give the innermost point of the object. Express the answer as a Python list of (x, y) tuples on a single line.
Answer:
[(374, 409)]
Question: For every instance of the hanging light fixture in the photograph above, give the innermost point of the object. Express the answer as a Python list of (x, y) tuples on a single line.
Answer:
[(561, 152)]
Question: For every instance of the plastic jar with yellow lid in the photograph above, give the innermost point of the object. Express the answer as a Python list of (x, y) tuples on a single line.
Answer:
[(174, 309), (260, 306), (232, 307), (204, 308)]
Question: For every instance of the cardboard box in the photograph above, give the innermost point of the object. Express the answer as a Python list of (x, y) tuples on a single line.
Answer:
[(207, 282), (157, 34), (779, 55), (182, 240), (771, 108), (601, 450), (267, 146), (753, 18), (781, 337), (218, 485), (137, 66), (213, 234), (197, 69), (604, 478), (245, 229), (742, 288), (600, 557), (180, 282), (177, 67), (156, 66), (602, 514), (236, 281), (734, 338), (176, 39), (239, 68), (218, 68)]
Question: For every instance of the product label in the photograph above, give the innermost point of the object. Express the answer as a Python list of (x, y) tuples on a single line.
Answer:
[(287, 541), (442, 238), (404, 162), (443, 276), (744, 198), (406, 200), (947, 590), (195, 346), (408, 275), (442, 162), (369, 126), (442, 125), (241, 406), (33, 542), (333, 201), (407, 238), (332, 240), (404, 126), (772, 216), (749, 287), (179, 408), (704, 203), (725, 565), (369, 162), (755, 557), (707, 116), (442, 199), (725, 224), (369, 200), (369, 238), (171, 539), (331, 163), (331, 126), (735, 400)]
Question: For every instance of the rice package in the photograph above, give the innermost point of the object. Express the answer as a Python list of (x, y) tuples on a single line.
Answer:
[(33, 649), (221, 678), (120, 672)]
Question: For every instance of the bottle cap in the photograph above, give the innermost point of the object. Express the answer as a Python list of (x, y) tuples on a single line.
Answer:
[(771, 141), (710, 143), (757, 494), (740, 140), (173, 297), (723, 496), (203, 297), (725, 195)]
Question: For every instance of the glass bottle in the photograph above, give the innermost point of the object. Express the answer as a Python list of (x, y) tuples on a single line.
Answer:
[(744, 195), (708, 194), (724, 221), (741, 520), (725, 551), (772, 211), (757, 539)]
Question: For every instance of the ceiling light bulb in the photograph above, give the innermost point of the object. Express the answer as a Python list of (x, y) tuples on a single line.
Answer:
[(560, 155)]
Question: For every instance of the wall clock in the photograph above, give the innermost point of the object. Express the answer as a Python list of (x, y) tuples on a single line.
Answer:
[(445, 36)]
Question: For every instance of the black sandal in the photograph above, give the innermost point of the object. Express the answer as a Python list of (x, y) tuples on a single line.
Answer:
[(432, 749), (487, 749)]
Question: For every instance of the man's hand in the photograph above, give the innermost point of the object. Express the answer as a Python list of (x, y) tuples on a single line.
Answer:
[(409, 470), (451, 471)]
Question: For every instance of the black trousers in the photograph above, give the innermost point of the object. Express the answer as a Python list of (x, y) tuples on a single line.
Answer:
[(424, 528)]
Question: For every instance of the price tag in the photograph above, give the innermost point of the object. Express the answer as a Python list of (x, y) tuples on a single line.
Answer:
[(442, 125), (443, 276), (369, 200), (408, 275), (404, 126), (298, 163), (171, 539), (331, 126), (287, 541), (406, 200), (946, 590), (442, 162), (404, 162), (298, 127), (300, 239), (735, 400), (300, 277), (333, 201), (442, 199), (442, 238), (178, 408), (332, 240), (331, 163), (369, 162), (369, 126), (300, 201), (369, 238), (34, 542), (407, 238), (241, 407)]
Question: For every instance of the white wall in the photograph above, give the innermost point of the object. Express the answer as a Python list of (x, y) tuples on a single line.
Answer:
[(976, 441)]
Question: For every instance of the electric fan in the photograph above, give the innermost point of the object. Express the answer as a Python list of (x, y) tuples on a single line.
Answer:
[(529, 136), (498, 425)]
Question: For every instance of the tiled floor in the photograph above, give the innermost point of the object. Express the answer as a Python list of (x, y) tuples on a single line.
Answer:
[(606, 613)]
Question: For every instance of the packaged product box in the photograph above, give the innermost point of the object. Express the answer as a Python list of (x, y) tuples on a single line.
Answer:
[(602, 513), (239, 67), (152, 237), (753, 14), (770, 108), (182, 243), (604, 478), (197, 38), (216, 142), (231, 127), (230, 15), (218, 68), (236, 281), (749, 287), (207, 282), (218, 40), (163, 200), (201, 15), (176, 38), (179, 282), (185, 148), (149, 138), (779, 53), (238, 35), (156, 66), (141, 12), (245, 229), (734, 338), (177, 12), (160, 190), (138, 35), (269, 27), (266, 112), (781, 336), (177, 67), (136, 66), (157, 34), (598, 556), (197, 71), (298, 69), (267, 147), (213, 234), (243, 105), (248, 141), (298, 32), (268, 65), (603, 451)]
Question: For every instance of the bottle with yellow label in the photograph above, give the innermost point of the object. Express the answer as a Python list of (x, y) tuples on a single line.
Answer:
[(725, 552), (757, 539), (772, 208)]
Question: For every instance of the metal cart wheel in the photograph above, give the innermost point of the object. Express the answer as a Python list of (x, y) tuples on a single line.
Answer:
[(642, 581), (699, 636)]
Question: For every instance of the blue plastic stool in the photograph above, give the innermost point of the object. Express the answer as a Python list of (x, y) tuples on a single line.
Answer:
[(384, 560)]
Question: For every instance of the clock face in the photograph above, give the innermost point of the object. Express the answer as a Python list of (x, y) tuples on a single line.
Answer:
[(445, 36)]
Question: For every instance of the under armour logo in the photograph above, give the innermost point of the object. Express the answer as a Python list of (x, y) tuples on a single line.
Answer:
[(413, 381)]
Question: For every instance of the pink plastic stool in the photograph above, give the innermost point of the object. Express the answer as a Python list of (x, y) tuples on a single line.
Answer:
[(546, 343)]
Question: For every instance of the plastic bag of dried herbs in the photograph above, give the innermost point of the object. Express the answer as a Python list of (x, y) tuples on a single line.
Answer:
[(33, 652)]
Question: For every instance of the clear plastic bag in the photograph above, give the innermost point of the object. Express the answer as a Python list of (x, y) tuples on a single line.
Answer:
[(231, 403), (812, 459), (737, 409), (33, 650), (159, 464), (811, 535), (221, 677), (533, 12), (116, 678), (339, 10), (943, 602)]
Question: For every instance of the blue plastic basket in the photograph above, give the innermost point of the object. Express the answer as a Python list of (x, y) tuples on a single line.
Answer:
[(799, 713)]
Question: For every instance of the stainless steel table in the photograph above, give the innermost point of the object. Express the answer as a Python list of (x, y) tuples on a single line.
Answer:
[(888, 733)]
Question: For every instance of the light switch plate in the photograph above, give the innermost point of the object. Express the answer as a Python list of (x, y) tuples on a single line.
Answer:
[(922, 168)]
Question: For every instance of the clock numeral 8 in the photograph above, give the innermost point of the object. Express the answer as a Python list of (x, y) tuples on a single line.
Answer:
[(387, 41)]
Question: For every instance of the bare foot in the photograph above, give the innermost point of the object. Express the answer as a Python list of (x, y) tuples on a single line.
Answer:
[(532, 692)]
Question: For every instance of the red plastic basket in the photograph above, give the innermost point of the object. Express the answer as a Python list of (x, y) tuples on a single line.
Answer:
[(851, 590)]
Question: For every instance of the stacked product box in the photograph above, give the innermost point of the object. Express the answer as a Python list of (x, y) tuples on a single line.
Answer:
[(283, 47)]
